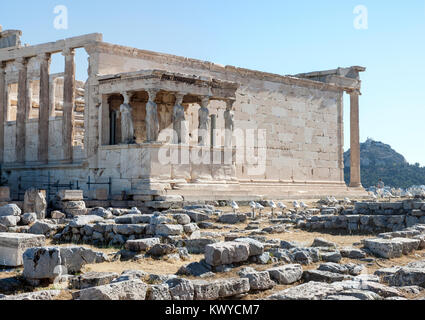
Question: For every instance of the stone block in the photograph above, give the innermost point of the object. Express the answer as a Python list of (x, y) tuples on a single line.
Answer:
[(408, 245), (308, 291), (70, 195), (81, 221), (124, 290), (12, 247), (10, 210), (260, 280), (168, 229), (256, 248), (384, 248), (49, 262), (233, 287), (197, 246), (181, 289), (10, 221), (92, 279), (408, 277), (233, 218), (142, 244), (324, 276), (225, 253), (287, 274), (74, 208)]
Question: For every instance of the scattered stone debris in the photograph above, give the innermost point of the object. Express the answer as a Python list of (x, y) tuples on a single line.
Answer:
[(173, 235)]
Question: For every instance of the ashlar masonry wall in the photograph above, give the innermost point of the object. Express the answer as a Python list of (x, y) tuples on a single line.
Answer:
[(303, 120)]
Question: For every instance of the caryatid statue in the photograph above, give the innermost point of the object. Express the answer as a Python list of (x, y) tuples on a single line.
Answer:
[(127, 127), (152, 122), (179, 120), (229, 123), (203, 117)]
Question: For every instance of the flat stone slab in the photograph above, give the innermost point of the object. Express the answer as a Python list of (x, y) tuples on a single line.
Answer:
[(13, 245), (70, 195), (384, 248), (125, 290), (324, 276), (142, 244), (392, 248), (92, 279), (81, 221), (224, 253), (33, 296), (308, 291), (287, 274)]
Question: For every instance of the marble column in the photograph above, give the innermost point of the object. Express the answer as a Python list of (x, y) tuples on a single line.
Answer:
[(229, 124), (28, 104), (52, 98), (179, 119), (3, 107), (68, 105), (213, 130), (355, 181), (44, 103), (23, 92), (152, 123), (203, 123), (105, 122)]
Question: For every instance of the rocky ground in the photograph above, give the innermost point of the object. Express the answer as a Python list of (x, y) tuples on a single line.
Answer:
[(212, 253)]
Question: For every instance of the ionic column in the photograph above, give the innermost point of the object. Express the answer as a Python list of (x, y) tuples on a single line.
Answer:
[(355, 181), (213, 129), (105, 123), (152, 123), (28, 105), (68, 104), (179, 121), (23, 92), (43, 115), (229, 124), (3, 107), (52, 102), (203, 117)]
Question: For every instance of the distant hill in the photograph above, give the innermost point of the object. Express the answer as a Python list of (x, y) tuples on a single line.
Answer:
[(380, 161)]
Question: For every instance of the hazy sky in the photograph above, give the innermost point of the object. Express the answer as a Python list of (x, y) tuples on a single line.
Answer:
[(284, 37)]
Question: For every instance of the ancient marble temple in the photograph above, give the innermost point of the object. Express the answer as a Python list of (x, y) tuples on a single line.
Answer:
[(157, 125)]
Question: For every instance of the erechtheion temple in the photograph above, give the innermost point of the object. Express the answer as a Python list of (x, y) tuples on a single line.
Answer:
[(154, 125)]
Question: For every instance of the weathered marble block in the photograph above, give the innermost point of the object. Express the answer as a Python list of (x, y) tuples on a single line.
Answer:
[(70, 195), (13, 245)]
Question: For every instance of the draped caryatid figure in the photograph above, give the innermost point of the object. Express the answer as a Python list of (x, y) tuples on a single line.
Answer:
[(127, 126)]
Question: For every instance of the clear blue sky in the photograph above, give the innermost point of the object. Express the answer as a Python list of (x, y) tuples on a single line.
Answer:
[(284, 37)]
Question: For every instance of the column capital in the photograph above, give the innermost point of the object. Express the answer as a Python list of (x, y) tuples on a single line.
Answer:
[(152, 93), (21, 62), (126, 95), (205, 100), (179, 98), (44, 57), (68, 52), (229, 104), (354, 92)]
